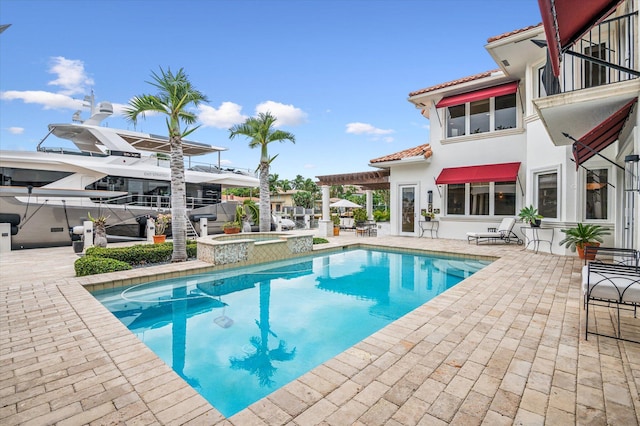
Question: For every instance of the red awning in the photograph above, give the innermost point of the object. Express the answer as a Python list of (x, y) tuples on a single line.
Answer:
[(476, 95), (603, 135), (505, 172), (567, 21)]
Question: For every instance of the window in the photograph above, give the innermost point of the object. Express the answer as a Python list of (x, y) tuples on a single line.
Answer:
[(595, 74), (505, 112), (479, 118), (482, 198), (482, 116), (596, 194), (504, 198), (479, 199), (456, 121), (455, 198), (547, 193)]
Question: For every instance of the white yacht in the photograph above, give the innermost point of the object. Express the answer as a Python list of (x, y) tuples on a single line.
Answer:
[(121, 174)]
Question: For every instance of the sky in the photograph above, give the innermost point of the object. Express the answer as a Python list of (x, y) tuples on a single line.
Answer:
[(335, 73)]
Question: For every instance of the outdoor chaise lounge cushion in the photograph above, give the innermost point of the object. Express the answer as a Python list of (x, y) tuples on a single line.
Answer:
[(610, 282), (503, 231)]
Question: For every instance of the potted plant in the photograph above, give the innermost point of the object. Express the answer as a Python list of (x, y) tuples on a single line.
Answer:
[(427, 215), (360, 215), (99, 229), (336, 224), (530, 215), (231, 227), (162, 222), (583, 235)]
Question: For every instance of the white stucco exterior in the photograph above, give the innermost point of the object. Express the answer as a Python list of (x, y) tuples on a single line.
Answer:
[(536, 143)]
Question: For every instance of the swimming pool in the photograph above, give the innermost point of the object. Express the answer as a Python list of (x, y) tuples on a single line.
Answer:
[(238, 335)]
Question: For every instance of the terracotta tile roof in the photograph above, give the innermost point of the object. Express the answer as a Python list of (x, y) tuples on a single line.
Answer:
[(424, 150), (510, 33), (454, 82)]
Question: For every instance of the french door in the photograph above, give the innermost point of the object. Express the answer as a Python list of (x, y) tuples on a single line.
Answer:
[(408, 210)]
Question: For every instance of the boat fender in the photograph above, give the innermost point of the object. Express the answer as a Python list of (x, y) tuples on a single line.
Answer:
[(197, 217), (12, 218)]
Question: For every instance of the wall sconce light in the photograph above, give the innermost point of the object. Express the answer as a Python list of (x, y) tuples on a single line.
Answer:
[(632, 173), (430, 197)]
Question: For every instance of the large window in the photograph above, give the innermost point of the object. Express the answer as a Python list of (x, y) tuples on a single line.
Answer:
[(10, 176), (482, 199), (482, 116), (547, 193), (596, 194)]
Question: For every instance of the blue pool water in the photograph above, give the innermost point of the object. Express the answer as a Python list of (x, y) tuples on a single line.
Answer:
[(238, 335)]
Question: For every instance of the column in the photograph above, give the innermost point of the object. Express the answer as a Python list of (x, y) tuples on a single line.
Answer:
[(369, 195)]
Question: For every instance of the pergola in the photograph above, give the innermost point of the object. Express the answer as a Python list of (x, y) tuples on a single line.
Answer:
[(373, 180), (369, 181)]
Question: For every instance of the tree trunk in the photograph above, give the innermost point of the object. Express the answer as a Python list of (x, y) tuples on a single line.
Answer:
[(178, 200), (265, 198)]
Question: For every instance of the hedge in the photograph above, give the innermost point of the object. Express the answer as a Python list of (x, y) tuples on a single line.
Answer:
[(91, 265), (140, 254)]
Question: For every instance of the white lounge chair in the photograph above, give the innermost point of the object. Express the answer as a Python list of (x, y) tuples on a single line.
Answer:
[(503, 233)]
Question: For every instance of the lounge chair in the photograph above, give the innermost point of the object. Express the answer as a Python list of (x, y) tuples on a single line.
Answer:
[(503, 233), (612, 280)]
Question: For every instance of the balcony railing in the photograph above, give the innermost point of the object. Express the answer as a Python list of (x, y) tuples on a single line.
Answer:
[(607, 54)]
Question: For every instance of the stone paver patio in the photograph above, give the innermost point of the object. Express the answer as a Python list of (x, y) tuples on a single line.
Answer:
[(505, 346)]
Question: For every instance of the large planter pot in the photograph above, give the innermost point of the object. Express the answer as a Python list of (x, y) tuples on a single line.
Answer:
[(158, 239), (336, 231), (234, 230), (581, 254)]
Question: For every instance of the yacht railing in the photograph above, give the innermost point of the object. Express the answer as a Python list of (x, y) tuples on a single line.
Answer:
[(158, 201)]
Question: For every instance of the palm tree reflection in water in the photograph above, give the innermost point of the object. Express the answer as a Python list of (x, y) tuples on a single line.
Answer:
[(259, 363)]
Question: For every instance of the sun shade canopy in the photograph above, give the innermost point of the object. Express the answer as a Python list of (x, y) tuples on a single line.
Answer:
[(567, 21), (603, 135), (476, 95), (505, 172)]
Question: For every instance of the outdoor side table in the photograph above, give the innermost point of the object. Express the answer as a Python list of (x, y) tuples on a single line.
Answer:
[(536, 235), (429, 225)]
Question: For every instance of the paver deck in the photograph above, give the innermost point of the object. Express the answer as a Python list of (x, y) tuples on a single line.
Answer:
[(505, 346)]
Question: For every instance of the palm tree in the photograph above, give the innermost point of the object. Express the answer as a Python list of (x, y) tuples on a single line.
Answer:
[(259, 130), (175, 95)]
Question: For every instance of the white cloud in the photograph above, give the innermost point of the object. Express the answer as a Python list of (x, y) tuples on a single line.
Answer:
[(47, 99), (227, 115), (287, 115), (366, 129), (309, 166), (72, 77), (16, 130)]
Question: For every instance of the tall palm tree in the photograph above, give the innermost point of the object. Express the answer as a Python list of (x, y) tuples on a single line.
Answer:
[(260, 130), (175, 95)]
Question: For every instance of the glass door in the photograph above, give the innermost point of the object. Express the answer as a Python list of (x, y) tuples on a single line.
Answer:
[(408, 209)]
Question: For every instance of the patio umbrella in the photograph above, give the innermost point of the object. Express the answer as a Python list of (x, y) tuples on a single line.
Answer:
[(344, 203)]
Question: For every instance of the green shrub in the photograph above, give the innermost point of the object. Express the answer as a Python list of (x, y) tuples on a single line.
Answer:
[(91, 265), (99, 260), (381, 215), (318, 240)]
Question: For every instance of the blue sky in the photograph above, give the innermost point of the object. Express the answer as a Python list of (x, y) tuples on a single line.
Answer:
[(336, 73)]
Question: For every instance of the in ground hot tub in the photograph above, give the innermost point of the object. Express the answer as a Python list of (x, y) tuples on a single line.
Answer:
[(255, 247)]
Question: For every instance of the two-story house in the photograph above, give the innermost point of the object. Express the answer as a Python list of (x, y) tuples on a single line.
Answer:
[(553, 126)]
